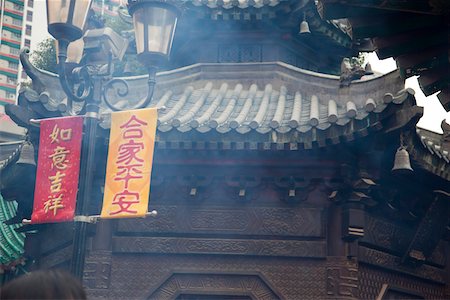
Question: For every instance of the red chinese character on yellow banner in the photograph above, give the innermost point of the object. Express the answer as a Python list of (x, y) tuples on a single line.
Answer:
[(129, 163), (124, 200)]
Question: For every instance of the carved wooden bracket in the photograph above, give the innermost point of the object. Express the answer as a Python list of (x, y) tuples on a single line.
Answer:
[(430, 230), (195, 185), (293, 189), (354, 194), (243, 186)]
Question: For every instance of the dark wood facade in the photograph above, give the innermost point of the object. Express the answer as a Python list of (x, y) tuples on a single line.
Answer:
[(270, 181)]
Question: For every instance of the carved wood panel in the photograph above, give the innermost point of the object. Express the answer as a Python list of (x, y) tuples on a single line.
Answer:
[(139, 276), (219, 246), (242, 220), (252, 286), (97, 270), (342, 278), (372, 279), (393, 263), (387, 235)]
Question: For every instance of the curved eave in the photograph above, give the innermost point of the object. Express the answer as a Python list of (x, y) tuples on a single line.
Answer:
[(9, 152), (430, 154), (267, 102)]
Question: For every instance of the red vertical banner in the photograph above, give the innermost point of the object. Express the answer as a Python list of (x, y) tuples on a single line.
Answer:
[(58, 169)]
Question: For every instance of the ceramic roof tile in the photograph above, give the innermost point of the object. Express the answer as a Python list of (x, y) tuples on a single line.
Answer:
[(433, 143), (9, 151), (245, 97), (11, 242)]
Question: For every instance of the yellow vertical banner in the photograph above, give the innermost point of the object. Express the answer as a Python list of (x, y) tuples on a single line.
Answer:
[(129, 166)]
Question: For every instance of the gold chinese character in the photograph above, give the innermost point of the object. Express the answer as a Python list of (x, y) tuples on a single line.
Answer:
[(59, 158), (64, 134), (56, 182), (54, 203), (54, 135)]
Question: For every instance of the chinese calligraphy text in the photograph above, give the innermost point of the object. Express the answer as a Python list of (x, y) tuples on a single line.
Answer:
[(58, 170), (129, 164)]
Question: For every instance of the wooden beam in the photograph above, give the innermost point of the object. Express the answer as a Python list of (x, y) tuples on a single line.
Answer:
[(392, 24), (331, 11), (430, 230), (414, 63), (416, 7), (444, 98), (409, 42), (434, 80)]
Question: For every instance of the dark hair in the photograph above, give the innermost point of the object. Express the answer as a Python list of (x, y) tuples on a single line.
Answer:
[(46, 284)]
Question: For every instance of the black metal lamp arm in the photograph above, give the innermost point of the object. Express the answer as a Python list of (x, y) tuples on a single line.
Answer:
[(85, 90), (121, 89)]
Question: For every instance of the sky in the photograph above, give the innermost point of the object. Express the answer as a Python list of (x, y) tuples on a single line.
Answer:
[(434, 113)]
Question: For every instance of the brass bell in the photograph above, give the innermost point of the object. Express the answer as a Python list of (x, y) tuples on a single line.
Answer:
[(304, 27), (368, 69), (27, 155), (402, 164)]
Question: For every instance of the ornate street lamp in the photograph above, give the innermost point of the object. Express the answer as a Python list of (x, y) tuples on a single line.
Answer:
[(66, 18), (154, 25)]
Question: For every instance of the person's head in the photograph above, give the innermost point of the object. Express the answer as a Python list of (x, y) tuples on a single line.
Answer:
[(45, 284)]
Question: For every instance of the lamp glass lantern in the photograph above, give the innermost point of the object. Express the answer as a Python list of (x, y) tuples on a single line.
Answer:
[(154, 25), (66, 18)]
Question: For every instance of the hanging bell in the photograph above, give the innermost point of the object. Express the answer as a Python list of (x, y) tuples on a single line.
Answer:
[(402, 164), (128, 69), (27, 155), (304, 27), (368, 69)]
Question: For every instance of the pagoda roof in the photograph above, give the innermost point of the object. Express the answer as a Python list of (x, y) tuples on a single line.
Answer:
[(269, 101), (414, 33), (9, 151), (232, 3), (432, 141), (11, 242), (435, 153)]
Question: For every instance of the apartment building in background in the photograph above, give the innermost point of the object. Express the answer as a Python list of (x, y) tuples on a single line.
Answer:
[(16, 27)]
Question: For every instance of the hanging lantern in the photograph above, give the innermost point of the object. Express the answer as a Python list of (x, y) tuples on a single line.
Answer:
[(26, 155), (402, 164), (66, 18), (154, 26)]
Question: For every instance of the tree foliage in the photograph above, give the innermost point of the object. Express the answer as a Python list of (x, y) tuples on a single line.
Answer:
[(44, 57)]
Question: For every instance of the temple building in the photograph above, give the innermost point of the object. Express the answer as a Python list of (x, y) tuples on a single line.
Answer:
[(281, 170)]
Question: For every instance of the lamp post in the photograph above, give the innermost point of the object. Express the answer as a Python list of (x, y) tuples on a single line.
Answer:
[(154, 24)]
